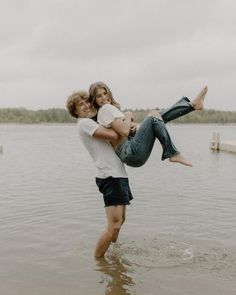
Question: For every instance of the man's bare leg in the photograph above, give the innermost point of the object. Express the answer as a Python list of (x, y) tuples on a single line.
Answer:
[(114, 220), (178, 158), (115, 236), (103, 244), (197, 103)]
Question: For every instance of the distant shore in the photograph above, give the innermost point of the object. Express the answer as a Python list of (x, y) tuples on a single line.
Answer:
[(57, 115)]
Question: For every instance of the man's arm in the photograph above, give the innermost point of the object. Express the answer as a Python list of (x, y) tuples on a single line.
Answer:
[(123, 125), (106, 133)]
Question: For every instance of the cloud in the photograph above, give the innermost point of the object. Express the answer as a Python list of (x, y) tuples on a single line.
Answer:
[(149, 52)]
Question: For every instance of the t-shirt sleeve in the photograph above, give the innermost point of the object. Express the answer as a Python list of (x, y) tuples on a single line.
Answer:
[(87, 126), (107, 114)]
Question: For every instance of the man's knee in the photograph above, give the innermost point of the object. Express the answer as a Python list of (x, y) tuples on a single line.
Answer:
[(116, 227), (114, 230)]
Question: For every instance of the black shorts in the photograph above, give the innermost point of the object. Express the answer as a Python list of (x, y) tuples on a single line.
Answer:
[(116, 191)]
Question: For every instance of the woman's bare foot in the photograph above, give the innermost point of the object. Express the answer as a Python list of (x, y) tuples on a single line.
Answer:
[(197, 103), (180, 159)]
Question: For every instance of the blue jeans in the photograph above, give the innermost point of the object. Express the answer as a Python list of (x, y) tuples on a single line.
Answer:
[(179, 109), (135, 151)]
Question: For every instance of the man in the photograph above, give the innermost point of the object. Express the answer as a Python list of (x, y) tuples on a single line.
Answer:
[(111, 177)]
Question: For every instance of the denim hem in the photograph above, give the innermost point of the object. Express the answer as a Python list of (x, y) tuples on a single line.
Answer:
[(166, 156)]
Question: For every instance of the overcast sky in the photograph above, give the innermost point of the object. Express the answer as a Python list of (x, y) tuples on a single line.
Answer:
[(149, 52)]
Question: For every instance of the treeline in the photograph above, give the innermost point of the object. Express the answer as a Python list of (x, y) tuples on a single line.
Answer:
[(57, 115), (206, 116), (24, 116)]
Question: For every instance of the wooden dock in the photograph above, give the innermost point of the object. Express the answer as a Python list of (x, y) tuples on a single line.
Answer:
[(218, 145)]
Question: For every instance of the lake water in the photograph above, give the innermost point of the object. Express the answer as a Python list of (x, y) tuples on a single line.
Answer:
[(179, 236)]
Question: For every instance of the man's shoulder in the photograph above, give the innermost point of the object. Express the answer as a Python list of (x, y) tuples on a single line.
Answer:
[(86, 121), (87, 126)]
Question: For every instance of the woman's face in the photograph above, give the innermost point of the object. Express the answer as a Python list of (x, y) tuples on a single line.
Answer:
[(102, 97)]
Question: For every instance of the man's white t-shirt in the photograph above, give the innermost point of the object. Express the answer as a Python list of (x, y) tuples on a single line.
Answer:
[(106, 161), (107, 114)]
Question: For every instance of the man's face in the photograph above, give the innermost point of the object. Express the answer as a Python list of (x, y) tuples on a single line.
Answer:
[(83, 108)]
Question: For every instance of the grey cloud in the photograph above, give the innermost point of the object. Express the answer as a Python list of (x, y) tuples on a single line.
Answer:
[(152, 49)]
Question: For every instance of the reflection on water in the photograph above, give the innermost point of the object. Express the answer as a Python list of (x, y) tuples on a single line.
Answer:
[(115, 274), (148, 265)]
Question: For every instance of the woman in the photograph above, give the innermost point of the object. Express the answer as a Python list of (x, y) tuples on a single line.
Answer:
[(135, 150)]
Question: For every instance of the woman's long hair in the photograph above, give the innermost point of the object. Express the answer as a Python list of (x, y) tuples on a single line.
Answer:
[(92, 94)]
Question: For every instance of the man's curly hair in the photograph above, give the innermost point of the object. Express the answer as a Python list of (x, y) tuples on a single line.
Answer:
[(73, 100)]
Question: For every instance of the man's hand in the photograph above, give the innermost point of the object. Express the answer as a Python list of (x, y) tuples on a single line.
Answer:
[(122, 125), (133, 129)]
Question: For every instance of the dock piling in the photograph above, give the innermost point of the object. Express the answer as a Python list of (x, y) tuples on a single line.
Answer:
[(217, 145), (215, 141)]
